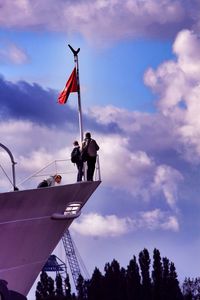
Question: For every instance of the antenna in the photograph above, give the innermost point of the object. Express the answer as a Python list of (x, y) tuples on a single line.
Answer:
[(75, 52)]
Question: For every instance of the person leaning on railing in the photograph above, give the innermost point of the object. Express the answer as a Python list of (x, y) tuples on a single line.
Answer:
[(50, 181)]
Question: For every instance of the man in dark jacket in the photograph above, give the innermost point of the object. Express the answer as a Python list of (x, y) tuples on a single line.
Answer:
[(76, 158), (90, 146)]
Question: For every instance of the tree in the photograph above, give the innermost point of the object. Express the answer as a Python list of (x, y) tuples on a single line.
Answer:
[(67, 288), (133, 283), (197, 288), (44, 286), (114, 282), (157, 282), (191, 289), (144, 261), (38, 293), (51, 290), (133, 280), (82, 288), (96, 286), (59, 285), (165, 276), (188, 289), (54, 298), (175, 292), (123, 286)]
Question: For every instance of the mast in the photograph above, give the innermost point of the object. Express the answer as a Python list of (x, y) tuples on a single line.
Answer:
[(75, 52)]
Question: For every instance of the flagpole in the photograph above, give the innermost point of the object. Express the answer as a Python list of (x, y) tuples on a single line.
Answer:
[(75, 52)]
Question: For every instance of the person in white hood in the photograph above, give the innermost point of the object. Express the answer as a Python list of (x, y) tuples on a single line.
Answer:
[(50, 181)]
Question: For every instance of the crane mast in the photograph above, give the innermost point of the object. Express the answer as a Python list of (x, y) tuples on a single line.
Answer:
[(71, 256)]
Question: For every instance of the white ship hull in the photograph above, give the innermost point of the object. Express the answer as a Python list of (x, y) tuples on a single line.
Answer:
[(29, 234)]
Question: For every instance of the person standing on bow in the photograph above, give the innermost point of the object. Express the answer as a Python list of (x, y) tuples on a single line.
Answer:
[(89, 154), (76, 159)]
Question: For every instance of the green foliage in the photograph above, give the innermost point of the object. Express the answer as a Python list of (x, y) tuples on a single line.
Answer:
[(59, 285), (133, 283), (133, 280), (114, 282), (67, 288), (45, 287), (81, 288), (191, 288), (145, 261), (96, 286), (157, 276)]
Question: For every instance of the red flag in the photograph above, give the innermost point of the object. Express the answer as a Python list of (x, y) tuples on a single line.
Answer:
[(70, 87)]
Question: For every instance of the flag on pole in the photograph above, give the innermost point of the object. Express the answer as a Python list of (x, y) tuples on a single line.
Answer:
[(70, 87)]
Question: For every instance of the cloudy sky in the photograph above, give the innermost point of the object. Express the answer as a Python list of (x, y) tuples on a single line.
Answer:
[(140, 85)]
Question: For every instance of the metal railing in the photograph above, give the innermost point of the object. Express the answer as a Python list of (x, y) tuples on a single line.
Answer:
[(13, 182), (64, 167)]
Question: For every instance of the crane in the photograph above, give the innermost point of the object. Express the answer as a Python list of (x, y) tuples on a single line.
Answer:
[(76, 264)]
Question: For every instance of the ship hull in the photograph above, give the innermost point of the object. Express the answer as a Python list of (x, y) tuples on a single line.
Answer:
[(29, 233)]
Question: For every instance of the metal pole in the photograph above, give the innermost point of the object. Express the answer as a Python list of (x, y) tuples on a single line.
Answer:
[(75, 52), (13, 165)]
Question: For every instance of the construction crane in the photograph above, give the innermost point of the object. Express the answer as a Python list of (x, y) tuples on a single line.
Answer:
[(55, 264), (76, 264)]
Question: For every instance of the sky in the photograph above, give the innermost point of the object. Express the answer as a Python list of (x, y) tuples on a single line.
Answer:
[(139, 65)]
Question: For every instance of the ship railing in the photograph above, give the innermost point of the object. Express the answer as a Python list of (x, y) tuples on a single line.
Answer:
[(64, 167)]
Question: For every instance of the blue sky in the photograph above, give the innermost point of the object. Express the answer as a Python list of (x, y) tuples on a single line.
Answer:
[(139, 74)]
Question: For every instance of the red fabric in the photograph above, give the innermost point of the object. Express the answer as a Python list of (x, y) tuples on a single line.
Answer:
[(70, 87)]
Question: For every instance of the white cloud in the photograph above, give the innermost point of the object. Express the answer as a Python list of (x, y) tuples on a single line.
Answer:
[(33, 148), (166, 179), (156, 219), (96, 225), (127, 160), (187, 49), (134, 125), (17, 55), (123, 168), (136, 171), (178, 84), (13, 54), (150, 219), (102, 17), (171, 224)]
